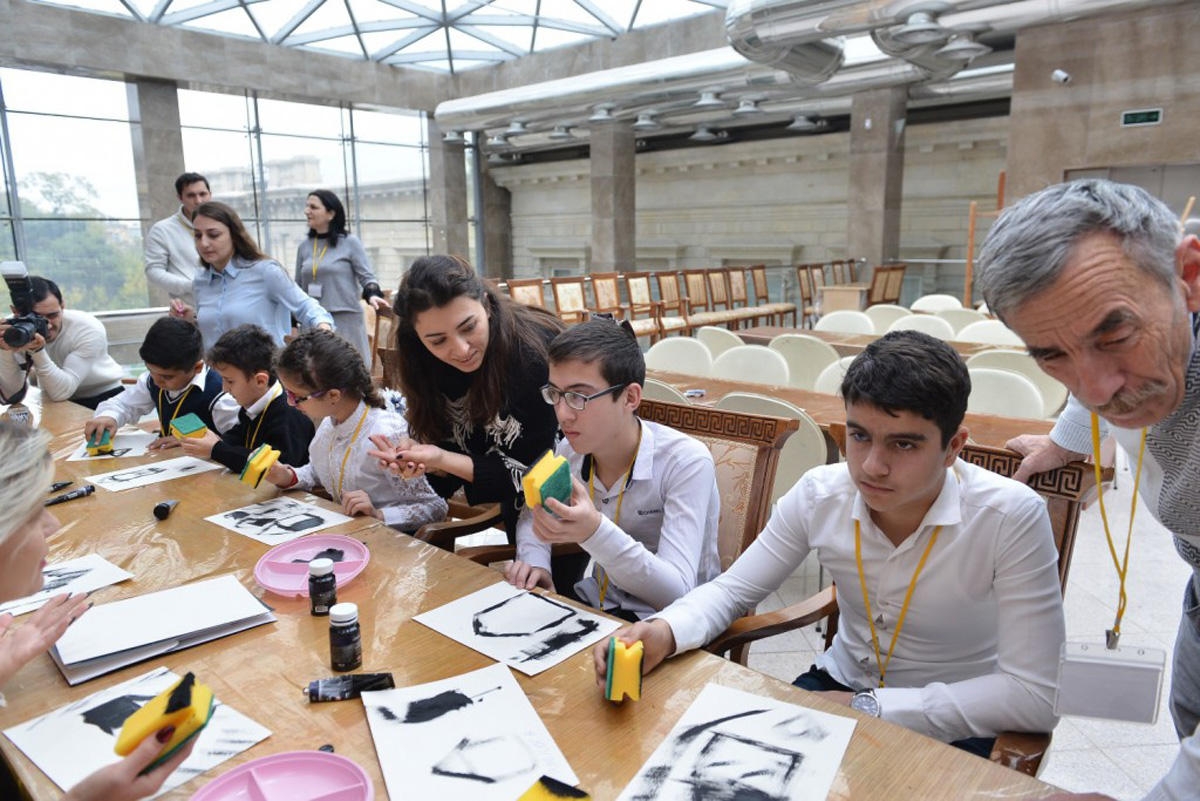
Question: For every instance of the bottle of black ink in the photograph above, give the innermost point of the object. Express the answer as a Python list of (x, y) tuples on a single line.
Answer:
[(322, 586), (345, 637)]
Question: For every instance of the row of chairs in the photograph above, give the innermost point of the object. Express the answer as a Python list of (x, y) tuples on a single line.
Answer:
[(887, 281), (960, 325)]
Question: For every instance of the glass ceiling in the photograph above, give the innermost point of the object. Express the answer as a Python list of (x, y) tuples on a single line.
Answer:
[(440, 35)]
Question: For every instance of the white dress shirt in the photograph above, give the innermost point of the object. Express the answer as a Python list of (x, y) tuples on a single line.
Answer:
[(665, 543), (978, 650), (406, 504), (136, 402)]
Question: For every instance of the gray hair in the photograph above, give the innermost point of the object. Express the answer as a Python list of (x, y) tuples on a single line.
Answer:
[(1030, 243), (25, 473)]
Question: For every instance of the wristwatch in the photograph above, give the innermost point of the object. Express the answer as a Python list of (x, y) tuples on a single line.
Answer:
[(867, 703)]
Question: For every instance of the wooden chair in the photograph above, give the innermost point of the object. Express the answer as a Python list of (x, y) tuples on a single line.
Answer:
[(808, 310), (877, 291), (528, 291), (570, 298), (895, 283), (606, 292), (739, 298), (762, 296), (461, 519), (719, 298), (641, 302), (1063, 490), (842, 271), (697, 307), (816, 274), (381, 344), (671, 304)]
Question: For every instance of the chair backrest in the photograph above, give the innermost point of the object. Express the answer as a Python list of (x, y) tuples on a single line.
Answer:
[(846, 321), (1054, 392), (661, 390), (884, 314), (717, 339), (718, 288), (528, 291), (570, 298), (695, 287), (1004, 393), (992, 332), (830, 379), (745, 449), (895, 283), (803, 450), (843, 271), (816, 272), (806, 357), (668, 291), (926, 323), (935, 303), (607, 293), (680, 355), (758, 283), (877, 291), (756, 363), (637, 289), (737, 287), (960, 318), (804, 281), (382, 342)]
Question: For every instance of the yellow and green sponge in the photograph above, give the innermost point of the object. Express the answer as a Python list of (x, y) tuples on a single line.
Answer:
[(100, 443), (258, 463), (190, 425), (624, 671), (185, 705), (550, 477)]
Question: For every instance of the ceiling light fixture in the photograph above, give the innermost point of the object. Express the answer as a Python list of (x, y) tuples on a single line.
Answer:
[(709, 99), (498, 140), (747, 107), (706, 134), (602, 113), (919, 29), (646, 122), (453, 137), (516, 128), (804, 123), (561, 132), (962, 47)]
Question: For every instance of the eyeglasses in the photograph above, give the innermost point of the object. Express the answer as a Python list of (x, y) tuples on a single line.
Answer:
[(551, 394), (296, 400)]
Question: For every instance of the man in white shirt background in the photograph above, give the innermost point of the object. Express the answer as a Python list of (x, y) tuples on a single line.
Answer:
[(170, 247), (70, 362), (974, 649)]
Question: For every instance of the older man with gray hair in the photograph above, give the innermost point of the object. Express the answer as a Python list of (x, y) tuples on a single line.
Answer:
[(1102, 284)]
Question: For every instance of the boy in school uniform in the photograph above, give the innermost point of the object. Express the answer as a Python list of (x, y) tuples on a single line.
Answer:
[(644, 504), (176, 383), (244, 359), (951, 615)]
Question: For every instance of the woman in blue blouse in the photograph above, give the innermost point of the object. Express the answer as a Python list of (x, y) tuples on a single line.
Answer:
[(240, 284)]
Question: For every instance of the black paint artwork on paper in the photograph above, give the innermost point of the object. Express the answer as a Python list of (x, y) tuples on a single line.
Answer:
[(489, 760), (333, 554), (560, 640), (134, 475), (733, 768), (424, 710), (521, 615), (57, 577), (110, 716)]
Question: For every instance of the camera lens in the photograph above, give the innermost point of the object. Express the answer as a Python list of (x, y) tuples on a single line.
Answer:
[(19, 333)]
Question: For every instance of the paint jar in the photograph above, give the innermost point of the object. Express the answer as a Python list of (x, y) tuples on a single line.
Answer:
[(322, 586), (345, 637)]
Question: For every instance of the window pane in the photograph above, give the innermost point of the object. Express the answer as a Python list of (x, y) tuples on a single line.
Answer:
[(212, 110), (401, 128), (286, 236), (277, 116), (59, 173), (98, 265), (297, 165), (400, 201), (392, 247), (221, 157), (26, 90), (383, 163)]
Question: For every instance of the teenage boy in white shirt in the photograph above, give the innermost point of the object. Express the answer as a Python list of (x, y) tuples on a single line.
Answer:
[(975, 651), (644, 504)]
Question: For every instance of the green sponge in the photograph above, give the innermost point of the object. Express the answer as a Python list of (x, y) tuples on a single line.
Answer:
[(550, 477), (624, 671)]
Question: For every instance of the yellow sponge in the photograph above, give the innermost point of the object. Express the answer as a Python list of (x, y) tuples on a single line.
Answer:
[(98, 446), (550, 477), (548, 789), (189, 425), (258, 463), (624, 671), (186, 705)]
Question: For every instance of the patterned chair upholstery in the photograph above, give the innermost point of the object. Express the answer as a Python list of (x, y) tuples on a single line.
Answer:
[(528, 291), (570, 298), (762, 298), (637, 289)]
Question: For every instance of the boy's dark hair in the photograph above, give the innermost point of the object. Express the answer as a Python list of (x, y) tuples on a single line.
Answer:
[(247, 348), (607, 342), (911, 371), (321, 360), (187, 179), (172, 344)]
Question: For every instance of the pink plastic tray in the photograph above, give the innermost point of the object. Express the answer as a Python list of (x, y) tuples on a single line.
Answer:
[(284, 569), (291, 776)]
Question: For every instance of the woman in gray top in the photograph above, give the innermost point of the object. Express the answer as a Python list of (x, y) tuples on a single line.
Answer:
[(332, 267)]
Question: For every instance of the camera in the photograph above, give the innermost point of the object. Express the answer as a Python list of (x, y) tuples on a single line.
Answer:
[(26, 324)]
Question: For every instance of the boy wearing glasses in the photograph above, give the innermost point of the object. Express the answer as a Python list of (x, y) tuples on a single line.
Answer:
[(644, 503), (243, 357)]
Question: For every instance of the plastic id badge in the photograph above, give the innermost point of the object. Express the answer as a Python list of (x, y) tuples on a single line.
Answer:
[(314, 291), (1117, 684)]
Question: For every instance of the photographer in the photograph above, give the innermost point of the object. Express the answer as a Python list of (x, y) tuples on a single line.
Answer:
[(65, 350)]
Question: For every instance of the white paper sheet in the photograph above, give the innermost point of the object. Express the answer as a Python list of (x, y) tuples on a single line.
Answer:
[(278, 520), (733, 744), (153, 473), (524, 630), (76, 740), (471, 736), (127, 442), (136, 628), (85, 574)]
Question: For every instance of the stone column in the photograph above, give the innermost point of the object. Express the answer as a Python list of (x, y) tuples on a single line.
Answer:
[(876, 174), (157, 155), (495, 224), (447, 194), (614, 184)]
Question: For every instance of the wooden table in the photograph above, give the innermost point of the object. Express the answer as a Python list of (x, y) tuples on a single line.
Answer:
[(986, 429), (833, 297), (845, 344), (260, 671)]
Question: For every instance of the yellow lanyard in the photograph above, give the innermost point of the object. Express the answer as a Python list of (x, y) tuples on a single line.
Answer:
[(912, 585), (166, 424), (1113, 635), (272, 394), (318, 256), (346, 457), (620, 498)]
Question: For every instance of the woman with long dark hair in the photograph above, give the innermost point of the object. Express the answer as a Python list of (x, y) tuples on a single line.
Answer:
[(471, 364), (332, 267)]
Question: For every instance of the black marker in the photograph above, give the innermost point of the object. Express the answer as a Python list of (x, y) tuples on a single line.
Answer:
[(60, 485), (82, 492)]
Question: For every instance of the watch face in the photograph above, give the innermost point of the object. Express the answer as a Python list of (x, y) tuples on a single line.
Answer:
[(866, 703)]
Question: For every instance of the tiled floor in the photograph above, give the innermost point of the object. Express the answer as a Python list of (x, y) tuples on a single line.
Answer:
[(1121, 759)]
